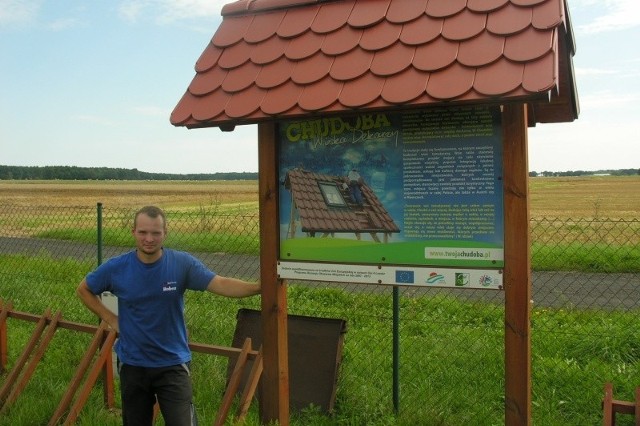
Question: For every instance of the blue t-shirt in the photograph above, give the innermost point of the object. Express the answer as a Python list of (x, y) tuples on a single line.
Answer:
[(151, 304)]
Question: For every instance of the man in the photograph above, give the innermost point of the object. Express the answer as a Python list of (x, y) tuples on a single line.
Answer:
[(354, 180), (152, 348)]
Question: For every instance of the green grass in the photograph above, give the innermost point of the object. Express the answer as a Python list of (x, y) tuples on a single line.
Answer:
[(589, 257), (451, 354)]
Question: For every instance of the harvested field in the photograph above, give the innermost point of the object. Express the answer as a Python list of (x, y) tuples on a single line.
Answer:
[(606, 197)]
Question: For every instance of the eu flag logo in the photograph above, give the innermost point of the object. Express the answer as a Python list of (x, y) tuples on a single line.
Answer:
[(404, 277)]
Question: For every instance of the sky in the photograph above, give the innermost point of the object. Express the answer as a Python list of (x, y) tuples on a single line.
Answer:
[(93, 83)]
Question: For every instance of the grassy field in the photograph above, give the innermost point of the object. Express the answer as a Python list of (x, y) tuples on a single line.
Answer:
[(610, 197), (453, 348)]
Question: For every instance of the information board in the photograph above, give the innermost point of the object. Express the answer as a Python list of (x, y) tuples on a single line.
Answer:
[(431, 182)]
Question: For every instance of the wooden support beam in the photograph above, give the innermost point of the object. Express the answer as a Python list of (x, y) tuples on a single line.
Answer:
[(517, 266), (250, 388), (275, 383), (234, 383)]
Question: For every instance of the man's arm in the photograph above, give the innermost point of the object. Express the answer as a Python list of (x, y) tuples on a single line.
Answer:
[(96, 306), (232, 287)]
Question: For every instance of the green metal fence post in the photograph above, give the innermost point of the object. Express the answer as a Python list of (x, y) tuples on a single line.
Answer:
[(99, 225), (396, 348)]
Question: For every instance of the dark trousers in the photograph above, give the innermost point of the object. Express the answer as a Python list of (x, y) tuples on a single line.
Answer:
[(140, 387)]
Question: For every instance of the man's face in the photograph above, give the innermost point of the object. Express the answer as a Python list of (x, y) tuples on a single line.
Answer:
[(149, 233)]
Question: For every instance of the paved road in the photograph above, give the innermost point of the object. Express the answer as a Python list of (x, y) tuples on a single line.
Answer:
[(550, 289)]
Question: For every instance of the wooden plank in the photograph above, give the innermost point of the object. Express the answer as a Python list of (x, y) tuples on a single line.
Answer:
[(275, 377), (67, 398), (607, 406), (250, 388), (234, 383), (92, 377), (107, 382), (637, 407), (23, 358), (517, 269), (4, 342), (33, 363)]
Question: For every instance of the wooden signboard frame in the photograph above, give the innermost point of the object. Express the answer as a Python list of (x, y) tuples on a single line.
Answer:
[(517, 275)]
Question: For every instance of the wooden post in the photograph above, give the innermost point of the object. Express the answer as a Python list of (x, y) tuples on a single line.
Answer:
[(517, 269), (275, 376), (4, 348)]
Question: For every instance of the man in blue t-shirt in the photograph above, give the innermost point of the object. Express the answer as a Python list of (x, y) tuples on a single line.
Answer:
[(152, 347)]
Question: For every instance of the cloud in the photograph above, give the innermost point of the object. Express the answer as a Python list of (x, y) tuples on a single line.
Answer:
[(615, 15), (63, 24), (93, 119), (17, 11), (168, 11), (583, 72), (608, 100), (151, 111)]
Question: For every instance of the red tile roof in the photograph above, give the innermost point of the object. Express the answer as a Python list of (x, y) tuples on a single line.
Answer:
[(276, 59), (316, 216)]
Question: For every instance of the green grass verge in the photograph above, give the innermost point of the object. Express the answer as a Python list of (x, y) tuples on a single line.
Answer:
[(451, 354)]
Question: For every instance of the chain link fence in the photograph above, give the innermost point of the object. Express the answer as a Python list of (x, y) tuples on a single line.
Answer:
[(450, 370)]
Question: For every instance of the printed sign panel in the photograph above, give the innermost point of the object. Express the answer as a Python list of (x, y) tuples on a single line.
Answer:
[(420, 188)]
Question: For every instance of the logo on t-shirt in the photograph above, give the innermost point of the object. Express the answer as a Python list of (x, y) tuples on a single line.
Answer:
[(170, 286)]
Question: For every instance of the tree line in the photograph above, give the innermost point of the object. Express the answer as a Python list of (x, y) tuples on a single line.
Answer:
[(619, 172), (107, 173)]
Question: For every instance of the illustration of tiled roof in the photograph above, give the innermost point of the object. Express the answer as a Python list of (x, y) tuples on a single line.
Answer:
[(277, 59), (317, 216)]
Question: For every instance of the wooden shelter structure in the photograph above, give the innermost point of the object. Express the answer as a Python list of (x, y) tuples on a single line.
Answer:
[(271, 60)]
